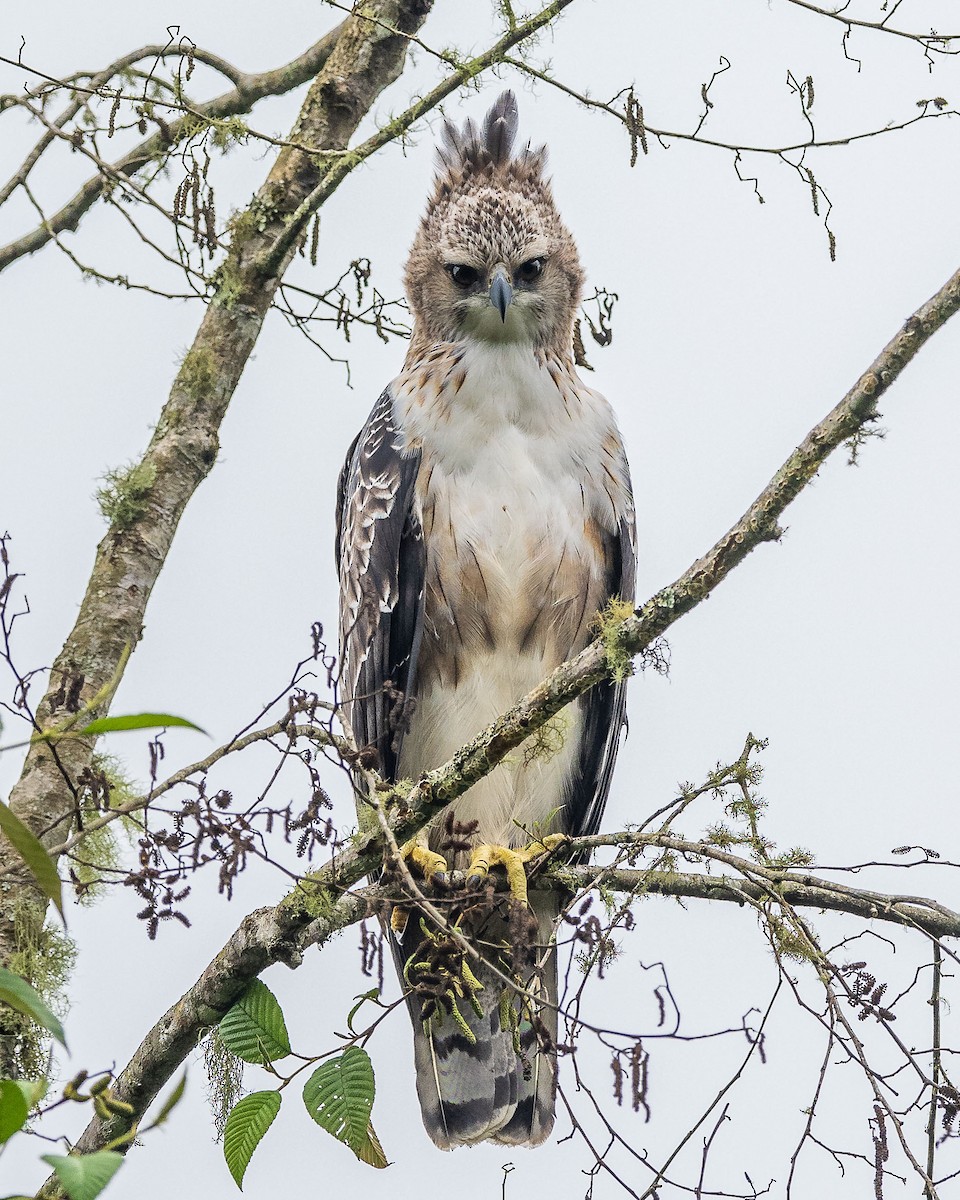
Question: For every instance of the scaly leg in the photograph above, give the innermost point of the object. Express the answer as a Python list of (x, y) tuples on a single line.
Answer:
[(432, 867), (512, 861)]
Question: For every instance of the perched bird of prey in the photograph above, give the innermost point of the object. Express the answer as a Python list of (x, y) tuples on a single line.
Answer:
[(484, 519)]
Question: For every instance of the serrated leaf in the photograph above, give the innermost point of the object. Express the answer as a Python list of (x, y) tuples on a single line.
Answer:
[(339, 1096), (34, 854), (371, 1151), (249, 1120), (136, 721), (13, 1109), (254, 1029), (84, 1176), (20, 995)]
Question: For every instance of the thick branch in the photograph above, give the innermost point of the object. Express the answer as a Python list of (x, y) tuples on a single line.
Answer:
[(756, 884)]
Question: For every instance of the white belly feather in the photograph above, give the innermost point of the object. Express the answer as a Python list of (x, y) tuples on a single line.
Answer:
[(515, 504)]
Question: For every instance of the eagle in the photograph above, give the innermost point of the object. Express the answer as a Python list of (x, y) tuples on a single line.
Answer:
[(484, 519)]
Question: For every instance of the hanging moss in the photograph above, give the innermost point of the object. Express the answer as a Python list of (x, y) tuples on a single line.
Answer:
[(224, 1079), (546, 741), (609, 622), (44, 957)]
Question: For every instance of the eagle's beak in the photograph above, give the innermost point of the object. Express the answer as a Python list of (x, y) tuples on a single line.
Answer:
[(501, 293)]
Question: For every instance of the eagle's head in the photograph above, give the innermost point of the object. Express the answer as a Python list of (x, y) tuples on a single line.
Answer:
[(492, 259)]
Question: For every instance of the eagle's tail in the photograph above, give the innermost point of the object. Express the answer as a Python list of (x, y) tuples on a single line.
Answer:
[(475, 1086)]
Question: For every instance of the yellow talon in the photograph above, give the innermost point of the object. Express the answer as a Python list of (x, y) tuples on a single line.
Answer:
[(512, 861), (416, 853), (430, 866)]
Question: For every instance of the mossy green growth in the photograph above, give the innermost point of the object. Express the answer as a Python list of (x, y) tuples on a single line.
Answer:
[(796, 856), (788, 942), (228, 283), (601, 956), (609, 621), (310, 898), (226, 132), (198, 373), (546, 741), (122, 495), (44, 957), (100, 851)]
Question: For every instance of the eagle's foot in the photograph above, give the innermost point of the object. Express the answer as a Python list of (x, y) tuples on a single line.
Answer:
[(428, 865), (513, 862)]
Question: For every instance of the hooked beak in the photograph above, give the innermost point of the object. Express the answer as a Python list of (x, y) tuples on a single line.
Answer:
[(501, 293)]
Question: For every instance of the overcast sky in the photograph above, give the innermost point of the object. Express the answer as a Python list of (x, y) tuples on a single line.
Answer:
[(733, 334)]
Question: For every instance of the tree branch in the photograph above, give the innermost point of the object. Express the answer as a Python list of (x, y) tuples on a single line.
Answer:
[(281, 934), (240, 99), (627, 118), (939, 42)]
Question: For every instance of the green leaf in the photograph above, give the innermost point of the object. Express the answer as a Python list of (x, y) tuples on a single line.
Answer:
[(371, 1152), (171, 1103), (33, 853), (84, 1176), (373, 994), (339, 1097), (13, 1109), (248, 1121), (254, 1029), (136, 721), (33, 1090), (20, 995)]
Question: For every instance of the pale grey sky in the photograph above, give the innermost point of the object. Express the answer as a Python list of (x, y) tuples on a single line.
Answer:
[(734, 333)]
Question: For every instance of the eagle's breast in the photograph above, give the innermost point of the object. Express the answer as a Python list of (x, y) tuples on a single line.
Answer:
[(517, 494)]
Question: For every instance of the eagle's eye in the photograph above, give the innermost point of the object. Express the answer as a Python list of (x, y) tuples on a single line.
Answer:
[(462, 275), (529, 271)]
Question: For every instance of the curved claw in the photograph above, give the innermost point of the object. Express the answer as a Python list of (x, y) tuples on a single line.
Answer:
[(429, 865), (513, 862)]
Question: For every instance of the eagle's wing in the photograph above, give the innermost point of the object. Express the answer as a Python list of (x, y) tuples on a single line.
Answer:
[(603, 707), (380, 556)]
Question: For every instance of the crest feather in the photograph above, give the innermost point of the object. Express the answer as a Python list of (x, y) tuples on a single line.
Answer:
[(471, 151)]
